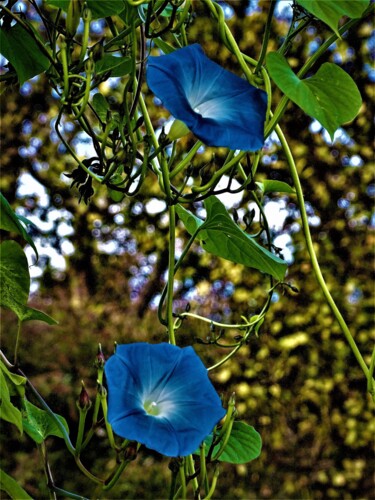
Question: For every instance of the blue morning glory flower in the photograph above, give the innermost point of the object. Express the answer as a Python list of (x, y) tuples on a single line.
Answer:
[(160, 395), (219, 107)]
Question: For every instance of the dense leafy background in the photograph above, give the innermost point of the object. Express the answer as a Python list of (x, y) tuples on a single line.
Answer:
[(298, 384)]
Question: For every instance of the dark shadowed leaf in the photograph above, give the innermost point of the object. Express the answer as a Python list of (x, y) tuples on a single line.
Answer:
[(98, 8), (117, 66), (22, 51)]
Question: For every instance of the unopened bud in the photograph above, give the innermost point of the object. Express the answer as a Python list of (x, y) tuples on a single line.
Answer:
[(232, 399), (100, 359), (86, 14), (73, 17), (84, 402)]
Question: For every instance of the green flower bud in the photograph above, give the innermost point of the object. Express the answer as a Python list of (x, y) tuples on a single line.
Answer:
[(73, 17)]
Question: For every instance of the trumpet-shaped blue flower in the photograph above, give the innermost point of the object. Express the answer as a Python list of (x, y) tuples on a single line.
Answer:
[(219, 107), (160, 395)]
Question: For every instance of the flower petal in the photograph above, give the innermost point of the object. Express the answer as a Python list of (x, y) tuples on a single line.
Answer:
[(178, 380), (219, 107)]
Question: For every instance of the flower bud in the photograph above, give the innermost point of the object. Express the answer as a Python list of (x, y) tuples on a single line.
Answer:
[(100, 359), (86, 14), (73, 17), (84, 402)]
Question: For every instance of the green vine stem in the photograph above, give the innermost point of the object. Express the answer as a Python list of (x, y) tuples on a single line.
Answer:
[(314, 260), (229, 40), (191, 472), (116, 475), (266, 36), (171, 272), (18, 336), (370, 382), (214, 482)]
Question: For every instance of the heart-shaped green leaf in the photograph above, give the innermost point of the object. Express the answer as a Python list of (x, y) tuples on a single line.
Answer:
[(244, 444), (331, 11), (39, 424), (22, 51), (330, 96), (221, 236), (11, 486)]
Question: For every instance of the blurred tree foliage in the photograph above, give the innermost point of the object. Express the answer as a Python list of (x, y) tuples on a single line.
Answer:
[(298, 383)]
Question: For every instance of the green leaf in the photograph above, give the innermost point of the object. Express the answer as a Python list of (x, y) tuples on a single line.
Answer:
[(8, 411), (15, 283), (14, 276), (101, 106), (99, 9), (191, 222), (221, 236), (29, 313), (270, 186), (39, 424), (22, 51), (330, 96), (244, 444), (164, 46), (116, 180), (16, 383), (12, 488), (117, 66), (331, 11), (11, 222)]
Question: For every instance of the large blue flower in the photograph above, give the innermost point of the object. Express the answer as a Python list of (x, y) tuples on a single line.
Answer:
[(160, 395), (219, 107)]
